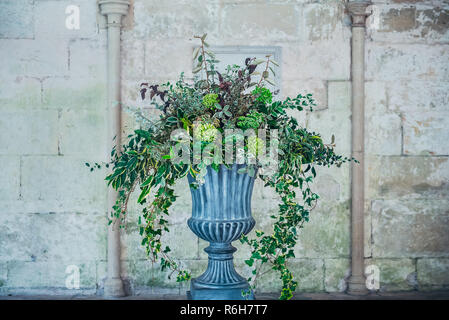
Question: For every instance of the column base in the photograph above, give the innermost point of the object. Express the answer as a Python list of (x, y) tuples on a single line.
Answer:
[(357, 286), (113, 288)]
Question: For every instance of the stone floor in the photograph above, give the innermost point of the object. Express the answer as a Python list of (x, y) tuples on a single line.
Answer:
[(410, 295)]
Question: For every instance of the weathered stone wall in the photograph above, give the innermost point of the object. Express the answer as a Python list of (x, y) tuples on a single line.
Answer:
[(407, 112), (52, 106), (53, 100)]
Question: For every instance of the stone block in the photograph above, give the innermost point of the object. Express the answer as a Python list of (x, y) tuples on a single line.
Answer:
[(174, 20), (307, 60), (418, 96), (29, 132), (17, 18), (13, 245), (432, 23), (367, 241), (48, 274), (133, 58), (417, 23), (19, 93), (398, 19), (335, 274), (327, 232), (166, 59), (45, 236), (421, 224), (88, 59), (375, 98), (272, 21), (333, 184), (64, 180), (332, 122), (407, 177), (425, 133), (33, 58), (83, 132), (339, 95), (51, 17), (324, 21), (10, 179), (433, 273), (131, 243), (75, 92), (395, 274), (405, 61), (383, 134)]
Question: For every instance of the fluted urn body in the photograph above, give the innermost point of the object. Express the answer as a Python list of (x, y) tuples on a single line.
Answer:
[(221, 213)]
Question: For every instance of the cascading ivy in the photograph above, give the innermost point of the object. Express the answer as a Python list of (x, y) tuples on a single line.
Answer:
[(218, 102)]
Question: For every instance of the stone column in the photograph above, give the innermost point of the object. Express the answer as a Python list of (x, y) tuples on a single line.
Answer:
[(114, 10), (356, 282)]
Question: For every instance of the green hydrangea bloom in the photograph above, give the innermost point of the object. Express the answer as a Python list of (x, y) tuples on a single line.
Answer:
[(255, 146), (205, 132), (263, 95), (210, 99)]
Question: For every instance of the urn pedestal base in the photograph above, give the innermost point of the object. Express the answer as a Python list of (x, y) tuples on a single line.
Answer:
[(220, 281)]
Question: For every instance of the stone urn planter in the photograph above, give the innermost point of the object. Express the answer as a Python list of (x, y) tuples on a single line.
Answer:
[(221, 213)]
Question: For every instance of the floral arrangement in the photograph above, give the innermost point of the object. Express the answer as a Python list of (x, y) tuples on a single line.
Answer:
[(204, 120)]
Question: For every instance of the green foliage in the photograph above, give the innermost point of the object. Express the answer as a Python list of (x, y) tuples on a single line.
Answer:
[(210, 100), (206, 132), (252, 120), (262, 95), (220, 101)]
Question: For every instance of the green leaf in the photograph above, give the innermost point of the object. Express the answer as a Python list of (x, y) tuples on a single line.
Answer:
[(147, 181), (143, 194), (172, 120), (249, 262), (143, 133)]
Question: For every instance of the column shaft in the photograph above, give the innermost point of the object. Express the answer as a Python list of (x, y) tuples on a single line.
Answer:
[(114, 10), (356, 282)]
